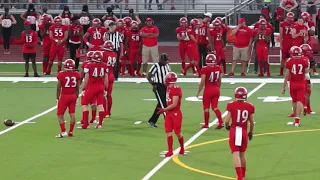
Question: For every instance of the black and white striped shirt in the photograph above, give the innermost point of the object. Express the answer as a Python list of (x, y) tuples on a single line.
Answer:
[(159, 72), (116, 38)]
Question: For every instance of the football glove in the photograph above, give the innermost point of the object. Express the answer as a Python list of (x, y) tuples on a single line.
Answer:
[(160, 111), (227, 127), (250, 135)]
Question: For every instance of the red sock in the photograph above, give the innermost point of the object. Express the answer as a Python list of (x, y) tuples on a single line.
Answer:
[(71, 127), (181, 142), (206, 118), (109, 99), (193, 69), (243, 169), (314, 69), (93, 115), (44, 66), (170, 143), (59, 68), (219, 116), (281, 71), (183, 64), (123, 67), (188, 67), (63, 127), (267, 67), (260, 67), (105, 106), (297, 120), (101, 116), (49, 67), (198, 69), (138, 68), (224, 66), (239, 173), (85, 117), (308, 107), (131, 69)]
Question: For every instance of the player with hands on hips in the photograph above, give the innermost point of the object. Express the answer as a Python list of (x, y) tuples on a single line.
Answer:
[(173, 118), (239, 112), (211, 80), (67, 95)]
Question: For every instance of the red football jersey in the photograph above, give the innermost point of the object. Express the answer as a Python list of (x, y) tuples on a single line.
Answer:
[(174, 91), (121, 29), (46, 37), (134, 39), (261, 37), (217, 35), (75, 29), (212, 76), (240, 113), (110, 58), (58, 31), (202, 33), (68, 80), (96, 72), (127, 28), (182, 31), (287, 29), (225, 28), (297, 68), (300, 39), (192, 32), (30, 40), (96, 35)]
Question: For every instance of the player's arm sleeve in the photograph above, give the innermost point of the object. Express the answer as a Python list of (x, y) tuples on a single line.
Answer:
[(228, 107)]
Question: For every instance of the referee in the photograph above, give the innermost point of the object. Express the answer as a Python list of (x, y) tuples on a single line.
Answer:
[(156, 77), (117, 39)]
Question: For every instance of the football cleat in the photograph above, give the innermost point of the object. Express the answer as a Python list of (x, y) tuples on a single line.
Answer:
[(205, 126), (168, 154), (83, 127), (220, 126), (296, 124), (98, 126), (70, 134), (93, 121), (181, 152), (291, 115), (62, 135)]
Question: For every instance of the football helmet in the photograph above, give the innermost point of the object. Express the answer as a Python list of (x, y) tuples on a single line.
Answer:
[(216, 23), (211, 59), (89, 55), (45, 18), (134, 25), (27, 23), (305, 16), (108, 45), (97, 56), (195, 23), (171, 78), (240, 93), (69, 64), (219, 19), (120, 22), (58, 20), (183, 22), (290, 17), (96, 22), (127, 20), (262, 24), (306, 50), (295, 52)]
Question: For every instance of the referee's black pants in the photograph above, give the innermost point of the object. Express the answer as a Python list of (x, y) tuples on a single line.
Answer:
[(161, 97), (203, 52), (117, 65)]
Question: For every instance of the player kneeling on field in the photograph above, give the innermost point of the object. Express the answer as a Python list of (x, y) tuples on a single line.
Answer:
[(239, 111), (211, 79), (297, 73), (173, 114), (67, 95)]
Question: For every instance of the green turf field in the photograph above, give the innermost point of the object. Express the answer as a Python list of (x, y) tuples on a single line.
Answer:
[(125, 149)]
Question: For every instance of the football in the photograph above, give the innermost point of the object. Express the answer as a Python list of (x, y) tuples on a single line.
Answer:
[(8, 122)]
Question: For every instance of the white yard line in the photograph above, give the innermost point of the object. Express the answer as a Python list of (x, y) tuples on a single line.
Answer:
[(194, 137), (28, 120)]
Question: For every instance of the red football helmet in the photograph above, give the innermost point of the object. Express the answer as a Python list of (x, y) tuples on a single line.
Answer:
[(195, 23), (305, 16), (96, 22), (45, 18), (134, 25), (290, 17), (211, 59), (240, 93), (171, 78), (58, 20), (295, 52), (216, 23), (97, 56), (306, 50), (219, 19), (262, 24), (183, 22), (127, 20), (108, 45), (120, 22), (27, 23), (69, 65), (89, 55)]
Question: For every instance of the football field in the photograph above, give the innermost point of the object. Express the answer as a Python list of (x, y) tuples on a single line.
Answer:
[(126, 148)]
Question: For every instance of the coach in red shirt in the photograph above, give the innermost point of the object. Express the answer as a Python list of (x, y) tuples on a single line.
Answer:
[(149, 48), (241, 47)]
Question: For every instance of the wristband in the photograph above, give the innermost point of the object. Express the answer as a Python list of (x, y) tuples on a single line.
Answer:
[(87, 43)]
